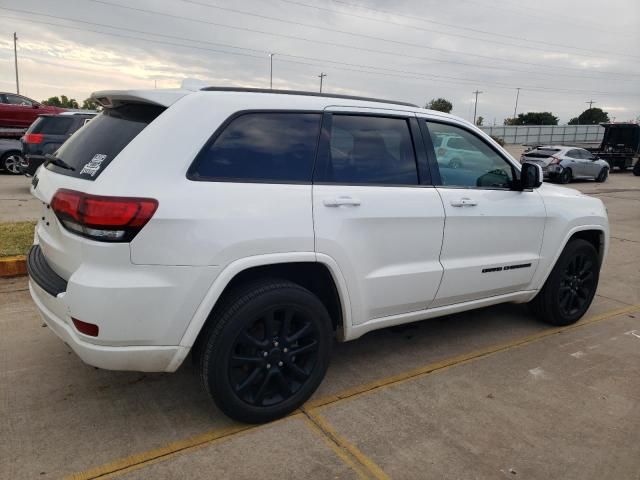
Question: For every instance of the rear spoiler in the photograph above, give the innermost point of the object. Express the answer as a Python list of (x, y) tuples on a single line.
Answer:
[(162, 97)]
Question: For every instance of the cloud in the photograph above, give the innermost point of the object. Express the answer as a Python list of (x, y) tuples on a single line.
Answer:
[(393, 56)]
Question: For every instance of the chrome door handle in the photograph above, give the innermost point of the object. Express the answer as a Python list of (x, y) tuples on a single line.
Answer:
[(464, 202), (342, 202)]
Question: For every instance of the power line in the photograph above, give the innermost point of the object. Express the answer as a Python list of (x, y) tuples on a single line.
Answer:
[(371, 50), (343, 65), (475, 38)]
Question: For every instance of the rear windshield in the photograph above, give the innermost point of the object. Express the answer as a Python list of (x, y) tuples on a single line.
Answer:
[(51, 125), (93, 147)]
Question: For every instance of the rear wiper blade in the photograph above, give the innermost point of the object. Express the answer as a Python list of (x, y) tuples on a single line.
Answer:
[(58, 162)]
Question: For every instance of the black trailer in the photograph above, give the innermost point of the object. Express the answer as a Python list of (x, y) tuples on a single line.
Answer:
[(620, 146)]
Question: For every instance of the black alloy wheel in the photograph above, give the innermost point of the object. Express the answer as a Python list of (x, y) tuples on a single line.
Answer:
[(265, 349), (565, 176), (273, 356), (577, 285)]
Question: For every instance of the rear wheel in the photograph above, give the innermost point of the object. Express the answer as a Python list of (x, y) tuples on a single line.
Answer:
[(566, 176), (266, 350), (636, 168), (602, 176), (571, 286), (10, 162)]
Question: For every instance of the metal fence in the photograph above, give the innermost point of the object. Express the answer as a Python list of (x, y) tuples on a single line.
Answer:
[(547, 134)]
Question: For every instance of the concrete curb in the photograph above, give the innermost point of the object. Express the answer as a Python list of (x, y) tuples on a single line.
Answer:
[(13, 266)]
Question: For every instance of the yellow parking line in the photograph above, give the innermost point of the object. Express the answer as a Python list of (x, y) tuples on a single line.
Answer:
[(151, 456), (344, 448), (460, 359), (145, 458)]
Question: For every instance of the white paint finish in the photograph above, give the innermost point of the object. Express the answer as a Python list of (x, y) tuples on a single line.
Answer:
[(387, 247), (503, 228), (384, 251)]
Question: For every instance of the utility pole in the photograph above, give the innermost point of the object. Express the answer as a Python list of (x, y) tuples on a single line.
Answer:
[(271, 70), (15, 58), (590, 102), (475, 108), (515, 109), (321, 76)]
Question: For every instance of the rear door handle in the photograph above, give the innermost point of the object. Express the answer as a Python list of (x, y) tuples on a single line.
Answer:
[(341, 202), (464, 202)]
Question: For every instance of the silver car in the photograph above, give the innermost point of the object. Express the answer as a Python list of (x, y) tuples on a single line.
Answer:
[(563, 164)]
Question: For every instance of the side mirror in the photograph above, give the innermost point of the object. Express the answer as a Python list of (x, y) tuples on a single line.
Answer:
[(530, 176), (35, 105)]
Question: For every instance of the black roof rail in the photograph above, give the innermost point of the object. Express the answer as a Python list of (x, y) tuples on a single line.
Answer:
[(307, 94)]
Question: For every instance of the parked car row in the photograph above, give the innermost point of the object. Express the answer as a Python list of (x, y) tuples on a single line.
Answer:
[(45, 135)]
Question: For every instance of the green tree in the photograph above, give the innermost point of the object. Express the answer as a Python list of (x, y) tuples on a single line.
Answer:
[(479, 121), (533, 118), (591, 116), (63, 102), (440, 104), (90, 104)]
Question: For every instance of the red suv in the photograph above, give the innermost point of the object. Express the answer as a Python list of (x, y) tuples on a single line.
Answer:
[(19, 112)]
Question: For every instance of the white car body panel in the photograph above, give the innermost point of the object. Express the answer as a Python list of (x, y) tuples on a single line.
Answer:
[(403, 254)]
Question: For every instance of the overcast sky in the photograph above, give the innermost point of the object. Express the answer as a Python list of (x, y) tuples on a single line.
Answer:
[(561, 53)]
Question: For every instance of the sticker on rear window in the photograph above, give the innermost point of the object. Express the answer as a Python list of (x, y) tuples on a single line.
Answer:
[(93, 165)]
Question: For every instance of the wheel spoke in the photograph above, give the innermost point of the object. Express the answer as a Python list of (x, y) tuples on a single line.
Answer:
[(312, 347), (587, 267), (304, 330), (283, 384), (564, 300), (249, 381), (269, 326), (247, 339), (587, 277), (297, 372), (241, 360), (263, 387), (286, 323)]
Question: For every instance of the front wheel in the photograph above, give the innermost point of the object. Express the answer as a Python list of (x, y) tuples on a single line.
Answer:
[(602, 176), (571, 285), (266, 350)]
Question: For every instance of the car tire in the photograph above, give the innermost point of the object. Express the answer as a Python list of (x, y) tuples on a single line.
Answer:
[(603, 175), (571, 285), (636, 168), (266, 350), (565, 176), (10, 162)]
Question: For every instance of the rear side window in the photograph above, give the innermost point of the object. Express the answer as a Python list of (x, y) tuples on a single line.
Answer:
[(52, 125), (262, 147), (369, 150), (93, 147)]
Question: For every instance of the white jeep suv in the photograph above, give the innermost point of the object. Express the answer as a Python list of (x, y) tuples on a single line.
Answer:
[(251, 227)]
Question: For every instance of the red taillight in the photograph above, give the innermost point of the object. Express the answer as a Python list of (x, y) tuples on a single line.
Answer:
[(555, 160), (33, 138), (107, 219), (90, 329)]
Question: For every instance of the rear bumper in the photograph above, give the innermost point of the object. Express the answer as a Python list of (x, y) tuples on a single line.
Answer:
[(138, 358)]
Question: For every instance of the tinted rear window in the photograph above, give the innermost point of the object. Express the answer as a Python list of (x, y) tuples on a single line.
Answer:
[(52, 125), (93, 147), (263, 147)]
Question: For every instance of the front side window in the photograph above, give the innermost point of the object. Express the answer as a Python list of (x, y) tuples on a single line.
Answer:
[(18, 100), (369, 150), (465, 160), (261, 146)]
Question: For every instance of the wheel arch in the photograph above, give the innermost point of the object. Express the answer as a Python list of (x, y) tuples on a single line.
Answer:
[(319, 274), (594, 234)]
